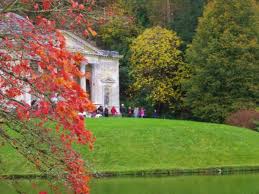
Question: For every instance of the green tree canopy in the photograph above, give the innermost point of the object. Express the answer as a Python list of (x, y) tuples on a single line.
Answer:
[(117, 35), (157, 67), (132, 16), (224, 56)]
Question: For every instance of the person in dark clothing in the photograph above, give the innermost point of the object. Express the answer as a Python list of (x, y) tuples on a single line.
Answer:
[(130, 112), (106, 112), (155, 115), (100, 110), (123, 110)]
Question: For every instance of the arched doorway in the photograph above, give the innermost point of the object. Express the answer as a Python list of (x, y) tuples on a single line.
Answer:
[(88, 77)]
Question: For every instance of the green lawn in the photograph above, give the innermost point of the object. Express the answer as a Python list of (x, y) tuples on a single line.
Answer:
[(148, 144), (14, 163), (152, 144)]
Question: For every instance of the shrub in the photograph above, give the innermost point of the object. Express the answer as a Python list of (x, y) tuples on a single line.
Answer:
[(244, 118)]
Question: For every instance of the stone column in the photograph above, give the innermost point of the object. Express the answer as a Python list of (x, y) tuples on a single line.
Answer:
[(94, 84), (83, 79), (118, 86)]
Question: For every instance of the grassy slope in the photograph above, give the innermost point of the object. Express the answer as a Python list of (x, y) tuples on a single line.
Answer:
[(13, 162), (146, 144)]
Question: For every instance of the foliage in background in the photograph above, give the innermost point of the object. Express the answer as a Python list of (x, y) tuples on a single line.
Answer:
[(185, 18), (157, 68), (225, 59), (117, 34), (178, 15), (131, 17)]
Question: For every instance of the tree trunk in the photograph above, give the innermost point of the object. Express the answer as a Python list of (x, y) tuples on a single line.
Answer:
[(168, 12)]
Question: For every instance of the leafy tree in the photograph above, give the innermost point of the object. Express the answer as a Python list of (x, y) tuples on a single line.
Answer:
[(185, 18), (131, 16), (139, 10), (157, 68), (178, 15), (224, 56), (117, 34), (34, 61)]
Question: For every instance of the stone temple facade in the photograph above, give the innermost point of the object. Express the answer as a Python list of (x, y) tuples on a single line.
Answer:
[(101, 69)]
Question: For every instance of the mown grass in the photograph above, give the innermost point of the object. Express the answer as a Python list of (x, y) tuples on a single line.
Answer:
[(128, 145), (151, 144), (11, 162)]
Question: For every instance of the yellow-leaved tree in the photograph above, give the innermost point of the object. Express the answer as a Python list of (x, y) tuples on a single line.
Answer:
[(157, 68)]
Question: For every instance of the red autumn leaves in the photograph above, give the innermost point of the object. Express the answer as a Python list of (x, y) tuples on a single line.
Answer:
[(36, 63)]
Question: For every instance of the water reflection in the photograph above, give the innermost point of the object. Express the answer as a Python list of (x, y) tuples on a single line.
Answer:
[(233, 184)]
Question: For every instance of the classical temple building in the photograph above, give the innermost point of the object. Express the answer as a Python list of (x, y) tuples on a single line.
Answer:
[(101, 67)]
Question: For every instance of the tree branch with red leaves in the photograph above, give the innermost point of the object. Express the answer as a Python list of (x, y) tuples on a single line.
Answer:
[(34, 62)]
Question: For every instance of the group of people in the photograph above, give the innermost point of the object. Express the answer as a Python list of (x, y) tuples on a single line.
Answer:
[(137, 112), (124, 112), (105, 111)]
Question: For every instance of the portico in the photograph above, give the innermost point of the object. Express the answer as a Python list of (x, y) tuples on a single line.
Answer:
[(101, 70)]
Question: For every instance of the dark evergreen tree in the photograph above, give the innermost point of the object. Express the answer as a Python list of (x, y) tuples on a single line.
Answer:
[(139, 9), (185, 18), (179, 15), (225, 59)]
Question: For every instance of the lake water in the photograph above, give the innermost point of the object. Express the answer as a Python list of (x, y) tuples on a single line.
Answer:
[(232, 184)]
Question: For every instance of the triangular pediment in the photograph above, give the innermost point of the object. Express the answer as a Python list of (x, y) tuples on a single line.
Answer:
[(75, 43)]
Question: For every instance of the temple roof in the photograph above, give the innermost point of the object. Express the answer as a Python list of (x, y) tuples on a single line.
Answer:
[(75, 43), (11, 23)]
